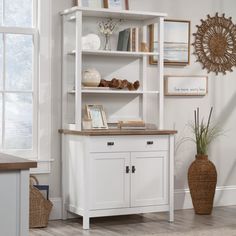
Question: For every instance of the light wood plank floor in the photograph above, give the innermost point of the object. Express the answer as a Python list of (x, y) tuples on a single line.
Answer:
[(146, 224)]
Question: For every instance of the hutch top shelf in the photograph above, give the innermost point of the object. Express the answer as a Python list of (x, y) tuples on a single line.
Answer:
[(115, 53), (130, 65), (123, 14)]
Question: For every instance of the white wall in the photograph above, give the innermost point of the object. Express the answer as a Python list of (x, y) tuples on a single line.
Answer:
[(222, 94), (54, 179), (178, 111)]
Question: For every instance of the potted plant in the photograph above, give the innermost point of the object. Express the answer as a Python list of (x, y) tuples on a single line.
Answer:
[(202, 175)]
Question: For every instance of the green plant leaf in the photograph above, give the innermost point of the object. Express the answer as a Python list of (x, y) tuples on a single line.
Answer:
[(204, 133)]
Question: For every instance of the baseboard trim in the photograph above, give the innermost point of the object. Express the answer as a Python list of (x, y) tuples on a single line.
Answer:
[(56, 213), (224, 196)]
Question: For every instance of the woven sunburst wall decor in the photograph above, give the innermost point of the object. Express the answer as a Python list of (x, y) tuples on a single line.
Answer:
[(215, 44)]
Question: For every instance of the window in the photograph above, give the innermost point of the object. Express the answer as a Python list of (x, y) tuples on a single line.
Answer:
[(24, 72), (18, 76)]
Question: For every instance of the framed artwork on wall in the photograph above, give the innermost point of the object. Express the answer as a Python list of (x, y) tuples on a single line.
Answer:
[(90, 3), (97, 115), (176, 42), (117, 4)]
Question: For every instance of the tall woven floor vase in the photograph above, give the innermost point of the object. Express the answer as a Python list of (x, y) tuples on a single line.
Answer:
[(202, 178)]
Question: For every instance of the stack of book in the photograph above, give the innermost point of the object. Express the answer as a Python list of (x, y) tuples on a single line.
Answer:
[(127, 125), (129, 40)]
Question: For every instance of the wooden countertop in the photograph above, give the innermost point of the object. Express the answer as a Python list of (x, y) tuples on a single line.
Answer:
[(110, 132), (8, 162)]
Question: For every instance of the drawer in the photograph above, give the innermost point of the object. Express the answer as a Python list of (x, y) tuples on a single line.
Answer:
[(128, 143)]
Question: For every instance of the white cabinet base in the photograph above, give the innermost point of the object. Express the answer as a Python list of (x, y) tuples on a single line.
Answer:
[(149, 180), (110, 175), (14, 204)]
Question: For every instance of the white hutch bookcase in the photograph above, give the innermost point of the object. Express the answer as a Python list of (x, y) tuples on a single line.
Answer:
[(118, 104), (114, 172)]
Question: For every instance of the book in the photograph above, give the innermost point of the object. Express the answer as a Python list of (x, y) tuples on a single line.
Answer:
[(130, 40), (131, 124), (124, 40), (120, 40), (137, 41), (134, 39), (133, 128)]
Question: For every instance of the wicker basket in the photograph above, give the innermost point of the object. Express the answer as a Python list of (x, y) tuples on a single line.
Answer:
[(40, 207), (202, 178)]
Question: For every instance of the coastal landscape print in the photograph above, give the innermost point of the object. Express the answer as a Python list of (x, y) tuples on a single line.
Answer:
[(176, 42)]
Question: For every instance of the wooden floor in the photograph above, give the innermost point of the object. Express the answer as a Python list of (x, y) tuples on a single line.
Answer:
[(186, 222)]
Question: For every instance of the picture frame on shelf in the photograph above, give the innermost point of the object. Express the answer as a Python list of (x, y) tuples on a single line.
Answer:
[(90, 3), (176, 42), (117, 4), (97, 115)]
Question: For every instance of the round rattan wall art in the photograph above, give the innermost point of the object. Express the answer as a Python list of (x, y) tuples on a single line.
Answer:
[(215, 44)]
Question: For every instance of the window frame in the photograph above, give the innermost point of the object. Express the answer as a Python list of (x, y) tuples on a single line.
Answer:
[(41, 85), (44, 87)]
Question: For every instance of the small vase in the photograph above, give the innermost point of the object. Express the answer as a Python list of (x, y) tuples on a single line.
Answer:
[(91, 78), (107, 42), (202, 178)]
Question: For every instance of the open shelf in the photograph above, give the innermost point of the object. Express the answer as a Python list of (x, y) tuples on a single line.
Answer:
[(112, 91), (115, 53), (133, 65), (115, 14)]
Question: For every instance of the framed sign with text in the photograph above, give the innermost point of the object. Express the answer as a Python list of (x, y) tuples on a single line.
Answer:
[(186, 85)]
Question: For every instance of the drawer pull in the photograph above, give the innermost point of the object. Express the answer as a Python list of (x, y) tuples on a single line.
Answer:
[(110, 144), (133, 169), (149, 142), (127, 170)]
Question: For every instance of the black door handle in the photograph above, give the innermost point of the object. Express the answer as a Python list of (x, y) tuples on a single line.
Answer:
[(133, 169), (127, 170), (110, 143), (149, 142)]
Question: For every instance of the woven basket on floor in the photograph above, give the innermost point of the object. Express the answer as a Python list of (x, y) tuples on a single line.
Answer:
[(40, 207)]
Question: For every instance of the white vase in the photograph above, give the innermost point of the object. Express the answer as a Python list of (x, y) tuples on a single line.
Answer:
[(91, 78), (91, 42)]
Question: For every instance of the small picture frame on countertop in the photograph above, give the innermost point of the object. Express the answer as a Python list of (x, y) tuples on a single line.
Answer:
[(97, 115), (186, 85), (117, 4)]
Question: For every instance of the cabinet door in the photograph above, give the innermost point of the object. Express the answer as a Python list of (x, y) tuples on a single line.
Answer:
[(109, 180), (149, 180)]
